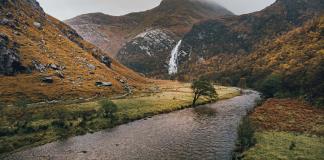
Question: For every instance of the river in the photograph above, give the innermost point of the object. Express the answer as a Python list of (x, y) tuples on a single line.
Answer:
[(206, 132)]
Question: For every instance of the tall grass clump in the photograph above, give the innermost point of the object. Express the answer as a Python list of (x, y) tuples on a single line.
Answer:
[(246, 138)]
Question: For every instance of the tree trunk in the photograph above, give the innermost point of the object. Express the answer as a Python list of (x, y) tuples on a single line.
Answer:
[(195, 100)]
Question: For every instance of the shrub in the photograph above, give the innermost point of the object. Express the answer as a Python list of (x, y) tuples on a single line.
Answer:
[(271, 85), (109, 108)]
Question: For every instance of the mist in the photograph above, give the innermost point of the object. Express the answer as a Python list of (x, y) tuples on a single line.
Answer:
[(65, 9)]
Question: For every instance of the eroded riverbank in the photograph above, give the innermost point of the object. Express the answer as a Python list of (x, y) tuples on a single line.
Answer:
[(207, 132)]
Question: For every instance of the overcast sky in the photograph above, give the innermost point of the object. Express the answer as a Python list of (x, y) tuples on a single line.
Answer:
[(65, 9)]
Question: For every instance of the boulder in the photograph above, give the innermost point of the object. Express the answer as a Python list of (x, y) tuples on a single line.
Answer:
[(59, 74), (38, 66), (91, 66), (4, 21), (54, 67), (103, 84), (37, 25), (106, 60), (122, 81), (47, 80)]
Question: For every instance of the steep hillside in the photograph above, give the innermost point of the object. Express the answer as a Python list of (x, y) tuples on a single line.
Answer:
[(241, 34), (44, 59), (290, 65), (143, 41)]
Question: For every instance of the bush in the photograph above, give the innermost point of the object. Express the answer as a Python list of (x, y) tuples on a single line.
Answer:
[(271, 86), (109, 108)]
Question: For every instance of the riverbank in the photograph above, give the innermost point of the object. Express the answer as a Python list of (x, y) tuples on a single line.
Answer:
[(25, 127), (204, 132), (287, 129)]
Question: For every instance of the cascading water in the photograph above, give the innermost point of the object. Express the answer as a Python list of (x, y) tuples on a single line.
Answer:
[(173, 64)]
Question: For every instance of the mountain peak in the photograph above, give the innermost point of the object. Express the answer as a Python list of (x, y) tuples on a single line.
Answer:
[(194, 5)]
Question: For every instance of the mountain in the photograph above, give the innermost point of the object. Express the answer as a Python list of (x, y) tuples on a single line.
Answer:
[(44, 59), (281, 44), (143, 41)]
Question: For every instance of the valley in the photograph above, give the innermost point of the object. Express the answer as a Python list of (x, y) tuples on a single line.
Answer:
[(40, 124), (204, 132), (187, 79)]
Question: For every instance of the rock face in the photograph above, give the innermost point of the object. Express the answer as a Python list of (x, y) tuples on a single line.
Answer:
[(121, 36), (148, 52), (9, 57)]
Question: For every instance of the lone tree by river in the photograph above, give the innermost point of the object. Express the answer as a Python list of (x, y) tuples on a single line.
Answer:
[(203, 88)]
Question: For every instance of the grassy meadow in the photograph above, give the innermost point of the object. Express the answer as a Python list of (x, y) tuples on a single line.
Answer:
[(25, 126), (286, 146), (287, 129)]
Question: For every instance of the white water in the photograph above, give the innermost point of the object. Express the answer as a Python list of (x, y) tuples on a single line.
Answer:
[(173, 64)]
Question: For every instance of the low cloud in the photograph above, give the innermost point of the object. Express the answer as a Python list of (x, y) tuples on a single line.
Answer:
[(65, 9)]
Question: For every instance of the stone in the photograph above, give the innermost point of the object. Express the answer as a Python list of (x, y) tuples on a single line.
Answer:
[(54, 67), (37, 25), (106, 60), (47, 80), (38, 66), (122, 81), (9, 15), (4, 21), (103, 84), (91, 66), (59, 74)]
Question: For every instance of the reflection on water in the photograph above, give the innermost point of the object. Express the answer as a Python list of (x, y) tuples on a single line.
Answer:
[(205, 132)]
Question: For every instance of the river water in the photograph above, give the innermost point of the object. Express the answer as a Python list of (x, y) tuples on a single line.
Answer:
[(207, 132)]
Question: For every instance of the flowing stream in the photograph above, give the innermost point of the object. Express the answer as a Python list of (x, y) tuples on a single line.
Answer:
[(173, 64), (206, 132)]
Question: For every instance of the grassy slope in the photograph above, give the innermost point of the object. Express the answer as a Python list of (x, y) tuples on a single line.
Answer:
[(282, 123), (52, 45), (296, 56), (34, 125)]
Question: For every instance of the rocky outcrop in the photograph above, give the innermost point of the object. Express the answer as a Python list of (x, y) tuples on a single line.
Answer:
[(148, 52), (9, 57)]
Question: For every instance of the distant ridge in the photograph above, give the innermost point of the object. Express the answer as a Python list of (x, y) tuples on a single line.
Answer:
[(170, 21)]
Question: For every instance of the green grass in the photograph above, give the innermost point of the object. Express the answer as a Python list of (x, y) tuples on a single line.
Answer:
[(35, 125), (286, 146)]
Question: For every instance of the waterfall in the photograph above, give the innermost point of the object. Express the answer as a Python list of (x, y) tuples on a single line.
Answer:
[(173, 64)]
